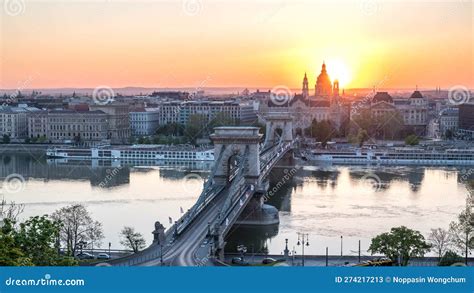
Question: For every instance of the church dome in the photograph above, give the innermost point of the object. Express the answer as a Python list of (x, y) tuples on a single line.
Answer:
[(382, 97), (323, 83), (416, 95)]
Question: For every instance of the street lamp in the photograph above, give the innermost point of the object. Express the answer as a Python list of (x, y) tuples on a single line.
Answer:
[(301, 241), (341, 245), (242, 249)]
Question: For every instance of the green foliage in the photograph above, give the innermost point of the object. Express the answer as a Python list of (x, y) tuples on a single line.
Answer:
[(170, 129), (386, 126), (32, 243), (412, 140), (196, 127), (450, 258), (400, 243), (362, 136), (322, 131)]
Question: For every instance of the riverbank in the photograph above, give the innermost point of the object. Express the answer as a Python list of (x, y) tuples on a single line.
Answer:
[(21, 148)]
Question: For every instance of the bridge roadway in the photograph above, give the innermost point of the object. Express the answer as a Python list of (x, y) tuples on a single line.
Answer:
[(192, 247)]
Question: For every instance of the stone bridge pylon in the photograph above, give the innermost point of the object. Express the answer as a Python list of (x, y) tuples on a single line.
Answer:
[(236, 147), (279, 126)]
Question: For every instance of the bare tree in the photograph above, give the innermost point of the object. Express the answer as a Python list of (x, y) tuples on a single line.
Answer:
[(11, 210), (441, 240), (131, 239), (463, 231), (95, 234), (77, 227)]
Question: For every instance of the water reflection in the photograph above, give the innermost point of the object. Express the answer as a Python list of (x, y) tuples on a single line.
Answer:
[(324, 201)]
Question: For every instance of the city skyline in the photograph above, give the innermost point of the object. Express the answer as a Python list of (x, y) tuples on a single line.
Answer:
[(175, 44)]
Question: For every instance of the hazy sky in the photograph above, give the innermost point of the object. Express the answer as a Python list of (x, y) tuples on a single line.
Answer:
[(256, 43)]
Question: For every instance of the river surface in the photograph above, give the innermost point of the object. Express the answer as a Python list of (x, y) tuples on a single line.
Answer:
[(326, 202)]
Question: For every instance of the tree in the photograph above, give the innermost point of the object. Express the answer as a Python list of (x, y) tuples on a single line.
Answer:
[(131, 239), (449, 258), (440, 240), (10, 253), (362, 137), (6, 138), (412, 140), (76, 226), (196, 127), (33, 242), (10, 210), (400, 244), (95, 234), (463, 231)]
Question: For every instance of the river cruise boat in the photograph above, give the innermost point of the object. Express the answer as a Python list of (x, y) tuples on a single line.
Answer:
[(395, 156), (136, 152)]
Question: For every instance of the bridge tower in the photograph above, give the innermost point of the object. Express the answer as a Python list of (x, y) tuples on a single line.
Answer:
[(234, 145), (279, 126)]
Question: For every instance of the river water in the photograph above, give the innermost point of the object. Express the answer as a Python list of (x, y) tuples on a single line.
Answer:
[(326, 202)]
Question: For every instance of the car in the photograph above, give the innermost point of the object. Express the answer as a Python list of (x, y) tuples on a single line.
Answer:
[(84, 255), (268, 260), (103, 256), (239, 261), (236, 260)]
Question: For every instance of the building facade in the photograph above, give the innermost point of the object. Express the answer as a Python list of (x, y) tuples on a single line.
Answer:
[(180, 112), (118, 120), (466, 121), (144, 121), (87, 128)]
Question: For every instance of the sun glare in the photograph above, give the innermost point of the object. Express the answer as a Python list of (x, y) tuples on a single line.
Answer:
[(337, 69)]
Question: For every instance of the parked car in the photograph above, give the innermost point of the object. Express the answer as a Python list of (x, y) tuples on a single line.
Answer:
[(268, 260), (84, 255), (103, 256), (239, 261)]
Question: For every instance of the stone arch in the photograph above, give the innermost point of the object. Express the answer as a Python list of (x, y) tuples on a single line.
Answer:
[(276, 121), (234, 163), (233, 142)]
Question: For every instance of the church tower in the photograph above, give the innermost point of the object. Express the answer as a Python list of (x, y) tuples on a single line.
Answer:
[(335, 88), (305, 91)]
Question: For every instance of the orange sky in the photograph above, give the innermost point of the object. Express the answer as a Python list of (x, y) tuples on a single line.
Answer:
[(259, 43)]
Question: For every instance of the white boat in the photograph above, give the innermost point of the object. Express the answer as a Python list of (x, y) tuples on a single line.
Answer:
[(136, 152), (395, 156)]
